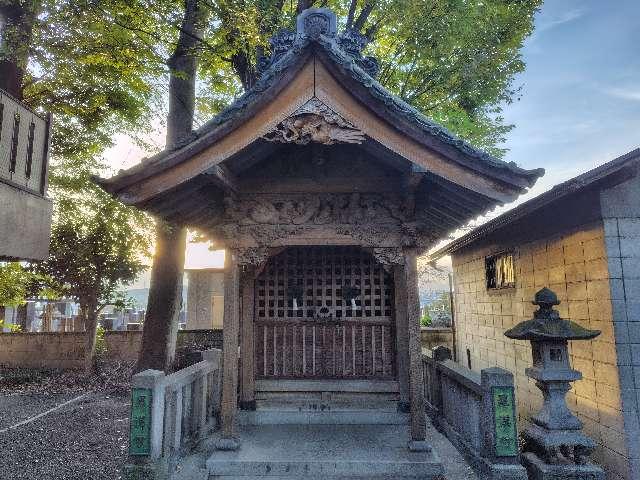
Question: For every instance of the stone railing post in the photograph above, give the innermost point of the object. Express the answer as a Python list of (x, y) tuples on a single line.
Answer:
[(439, 354), (498, 424), (215, 388), (147, 425)]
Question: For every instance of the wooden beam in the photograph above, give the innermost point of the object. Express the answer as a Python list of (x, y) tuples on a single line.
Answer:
[(223, 178)]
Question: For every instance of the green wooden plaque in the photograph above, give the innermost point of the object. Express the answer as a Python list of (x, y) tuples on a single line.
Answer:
[(140, 426), (504, 417)]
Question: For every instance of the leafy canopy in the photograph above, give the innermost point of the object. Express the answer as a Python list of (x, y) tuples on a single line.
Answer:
[(98, 245), (100, 67)]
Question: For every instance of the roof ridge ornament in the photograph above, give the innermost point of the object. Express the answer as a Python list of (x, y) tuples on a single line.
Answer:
[(314, 22), (319, 24), (315, 122)]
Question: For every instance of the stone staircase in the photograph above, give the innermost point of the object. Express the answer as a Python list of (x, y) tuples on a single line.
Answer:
[(317, 451)]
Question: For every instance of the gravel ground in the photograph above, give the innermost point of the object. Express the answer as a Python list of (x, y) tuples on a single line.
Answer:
[(86, 440), (17, 407)]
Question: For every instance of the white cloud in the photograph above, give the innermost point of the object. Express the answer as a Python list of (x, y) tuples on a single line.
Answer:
[(624, 93), (564, 17)]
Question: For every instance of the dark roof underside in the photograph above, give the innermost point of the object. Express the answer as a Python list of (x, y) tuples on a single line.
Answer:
[(615, 171)]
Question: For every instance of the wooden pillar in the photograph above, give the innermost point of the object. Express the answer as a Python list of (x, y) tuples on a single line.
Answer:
[(402, 336), (247, 360), (416, 379), (230, 330)]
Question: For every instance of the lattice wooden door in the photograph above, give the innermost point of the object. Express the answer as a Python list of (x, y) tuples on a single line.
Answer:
[(306, 324)]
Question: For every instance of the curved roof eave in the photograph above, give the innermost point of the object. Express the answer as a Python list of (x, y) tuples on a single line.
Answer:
[(369, 90)]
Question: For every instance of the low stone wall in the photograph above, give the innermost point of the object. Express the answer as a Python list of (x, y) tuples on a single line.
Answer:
[(42, 350), (433, 337), (460, 403), (67, 349)]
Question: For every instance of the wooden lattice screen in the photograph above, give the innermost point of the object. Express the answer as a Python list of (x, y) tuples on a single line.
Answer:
[(327, 335)]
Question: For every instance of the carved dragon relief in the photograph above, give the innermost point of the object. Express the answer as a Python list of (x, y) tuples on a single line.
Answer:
[(321, 209), (315, 122)]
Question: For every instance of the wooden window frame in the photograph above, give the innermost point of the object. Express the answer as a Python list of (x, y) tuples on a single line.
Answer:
[(489, 270)]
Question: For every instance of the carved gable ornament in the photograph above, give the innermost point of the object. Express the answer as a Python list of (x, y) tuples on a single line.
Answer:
[(315, 122)]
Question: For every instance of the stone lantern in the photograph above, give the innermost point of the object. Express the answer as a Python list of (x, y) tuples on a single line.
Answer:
[(555, 446)]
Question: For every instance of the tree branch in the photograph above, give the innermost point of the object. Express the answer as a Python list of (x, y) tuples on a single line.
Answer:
[(364, 15), (352, 12)]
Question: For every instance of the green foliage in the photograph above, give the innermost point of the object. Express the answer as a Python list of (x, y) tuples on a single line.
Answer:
[(101, 344), (453, 60), (14, 281), (100, 67), (97, 243), (17, 282), (93, 75), (425, 320), (13, 327)]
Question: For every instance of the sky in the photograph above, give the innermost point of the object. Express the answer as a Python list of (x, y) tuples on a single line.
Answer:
[(579, 105)]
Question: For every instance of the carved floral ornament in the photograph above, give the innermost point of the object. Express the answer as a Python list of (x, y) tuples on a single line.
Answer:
[(315, 122)]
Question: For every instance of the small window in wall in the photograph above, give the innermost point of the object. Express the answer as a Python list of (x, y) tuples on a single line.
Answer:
[(500, 272)]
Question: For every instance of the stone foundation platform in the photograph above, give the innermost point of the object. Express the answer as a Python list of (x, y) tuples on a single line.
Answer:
[(538, 470)]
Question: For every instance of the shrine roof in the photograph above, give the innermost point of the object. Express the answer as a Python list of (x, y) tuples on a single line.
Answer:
[(341, 55)]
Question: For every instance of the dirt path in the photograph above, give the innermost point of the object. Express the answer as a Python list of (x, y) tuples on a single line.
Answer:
[(84, 440)]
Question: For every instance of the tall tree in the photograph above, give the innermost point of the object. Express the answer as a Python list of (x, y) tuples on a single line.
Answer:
[(165, 293), (98, 245), (454, 60)]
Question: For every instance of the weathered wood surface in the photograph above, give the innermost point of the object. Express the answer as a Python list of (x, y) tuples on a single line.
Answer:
[(230, 346), (416, 379), (247, 391), (323, 335), (402, 333)]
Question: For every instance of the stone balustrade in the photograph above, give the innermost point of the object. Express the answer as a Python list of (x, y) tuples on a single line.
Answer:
[(172, 413), (476, 413)]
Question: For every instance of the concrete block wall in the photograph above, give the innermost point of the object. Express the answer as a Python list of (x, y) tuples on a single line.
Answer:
[(620, 208), (574, 265)]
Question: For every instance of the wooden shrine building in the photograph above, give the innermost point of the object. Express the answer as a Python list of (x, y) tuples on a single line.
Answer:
[(323, 188)]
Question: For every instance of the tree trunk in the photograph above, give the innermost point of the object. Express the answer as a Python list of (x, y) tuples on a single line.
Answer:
[(90, 327), (16, 30), (165, 294), (160, 327)]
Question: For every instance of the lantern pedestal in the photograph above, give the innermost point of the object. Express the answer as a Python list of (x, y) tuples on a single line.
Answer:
[(540, 470)]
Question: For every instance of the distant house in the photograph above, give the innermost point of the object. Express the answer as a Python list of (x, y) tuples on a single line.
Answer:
[(25, 210), (205, 298), (582, 240)]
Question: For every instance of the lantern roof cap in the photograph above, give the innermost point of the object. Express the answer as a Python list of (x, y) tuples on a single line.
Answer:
[(547, 324)]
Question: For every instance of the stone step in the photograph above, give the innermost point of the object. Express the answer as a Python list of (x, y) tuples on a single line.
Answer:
[(296, 452), (282, 416), (330, 405), (429, 468), (325, 477)]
